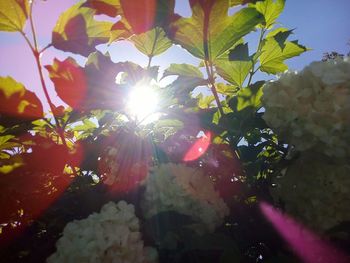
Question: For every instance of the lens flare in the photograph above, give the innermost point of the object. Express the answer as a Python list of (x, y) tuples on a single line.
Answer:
[(142, 104), (308, 246)]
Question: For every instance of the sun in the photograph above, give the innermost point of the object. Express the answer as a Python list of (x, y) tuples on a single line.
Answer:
[(142, 104)]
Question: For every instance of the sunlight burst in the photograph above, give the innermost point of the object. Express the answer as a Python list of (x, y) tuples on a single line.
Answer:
[(142, 104)]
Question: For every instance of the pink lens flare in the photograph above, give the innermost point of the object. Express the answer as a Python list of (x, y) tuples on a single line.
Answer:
[(198, 148), (309, 247)]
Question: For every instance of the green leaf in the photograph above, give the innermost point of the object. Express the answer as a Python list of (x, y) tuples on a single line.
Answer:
[(248, 97), (76, 31), (273, 55), (13, 15), (87, 125), (152, 42), (183, 86), (227, 90), (234, 72), (271, 9), (235, 65), (210, 32), (205, 102), (186, 70), (17, 102)]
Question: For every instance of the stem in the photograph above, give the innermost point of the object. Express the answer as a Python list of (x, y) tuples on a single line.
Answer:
[(36, 53), (253, 70), (48, 46), (153, 47), (149, 61), (32, 26), (47, 96), (28, 42), (210, 73)]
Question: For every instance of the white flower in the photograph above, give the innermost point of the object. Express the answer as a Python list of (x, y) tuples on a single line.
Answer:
[(106, 237), (315, 191), (175, 187), (311, 109)]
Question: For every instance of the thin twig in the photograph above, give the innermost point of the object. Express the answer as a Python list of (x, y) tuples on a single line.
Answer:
[(253, 70), (48, 46), (32, 26)]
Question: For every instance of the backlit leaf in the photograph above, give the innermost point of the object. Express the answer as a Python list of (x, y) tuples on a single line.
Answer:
[(234, 72), (210, 32), (183, 70), (140, 16), (247, 97), (111, 8), (76, 31), (235, 66), (205, 102), (271, 9), (13, 15), (152, 42), (274, 52), (227, 90), (143, 15), (69, 80), (16, 101)]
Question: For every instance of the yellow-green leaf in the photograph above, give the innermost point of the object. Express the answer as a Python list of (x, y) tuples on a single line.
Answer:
[(76, 31), (183, 70), (235, 65), (248, 97), (210, 32), (234, 72), (13, 15), (271, 9), (205, 102), (274, 54), (227, 90), (152, 42)]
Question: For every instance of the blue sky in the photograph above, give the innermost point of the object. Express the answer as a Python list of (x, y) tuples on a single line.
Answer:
[(322, 25)]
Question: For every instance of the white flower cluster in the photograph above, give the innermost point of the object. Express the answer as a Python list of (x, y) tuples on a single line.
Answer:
[(311, 109), (315, 191), (175, 187), (111, 236)]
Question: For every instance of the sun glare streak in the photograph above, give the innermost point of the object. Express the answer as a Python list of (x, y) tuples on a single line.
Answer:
[(142, 104), (308, 246)]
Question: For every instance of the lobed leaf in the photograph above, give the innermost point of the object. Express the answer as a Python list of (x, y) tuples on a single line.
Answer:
[(110, 8), (13, 15), (271, 9), (248, 97), (76, 31), (234, 72), (207, 37), (17, 102), (70, 81), (186, 70), (275, 51), (152, 42)]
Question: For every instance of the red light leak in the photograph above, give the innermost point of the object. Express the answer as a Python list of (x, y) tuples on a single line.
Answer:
[(198, 148), (309, 247)]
